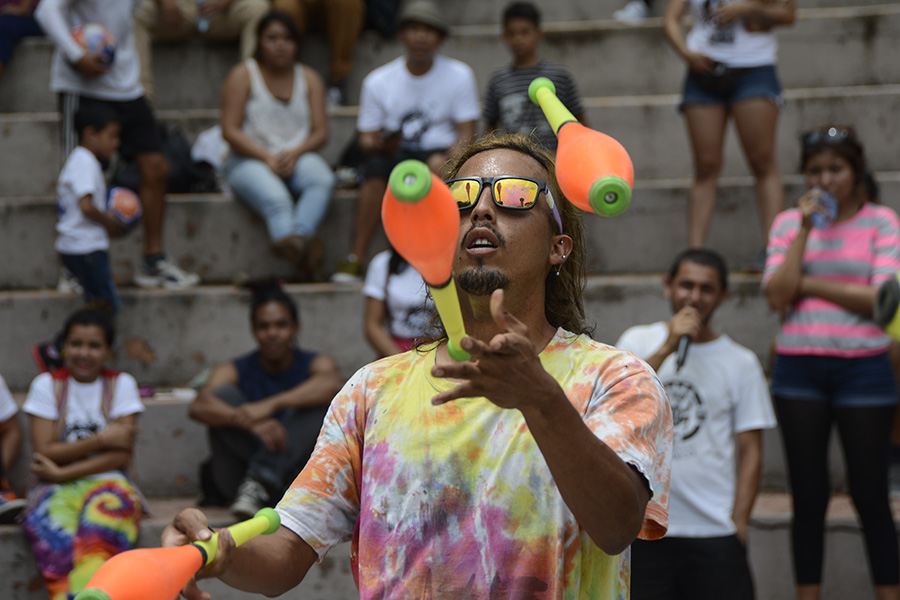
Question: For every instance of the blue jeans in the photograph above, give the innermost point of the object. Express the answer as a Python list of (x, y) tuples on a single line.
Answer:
[(94, 274), (12, 29), (272, 197)]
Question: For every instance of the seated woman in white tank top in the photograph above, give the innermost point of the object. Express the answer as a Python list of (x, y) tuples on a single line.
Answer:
[(273, 117)]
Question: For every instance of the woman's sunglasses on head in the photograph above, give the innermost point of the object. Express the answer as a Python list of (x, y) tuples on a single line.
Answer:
[(507, 191), (826, 135)]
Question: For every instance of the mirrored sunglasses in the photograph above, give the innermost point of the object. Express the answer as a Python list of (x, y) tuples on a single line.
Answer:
[(507, 191)]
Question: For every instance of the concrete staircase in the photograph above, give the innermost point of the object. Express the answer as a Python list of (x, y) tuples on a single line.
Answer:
[(837, 63)]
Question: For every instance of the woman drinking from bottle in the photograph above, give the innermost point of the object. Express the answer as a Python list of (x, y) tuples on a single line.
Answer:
[(832, 366)]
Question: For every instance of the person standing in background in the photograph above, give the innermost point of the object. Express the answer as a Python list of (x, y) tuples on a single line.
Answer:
[(730, 54)]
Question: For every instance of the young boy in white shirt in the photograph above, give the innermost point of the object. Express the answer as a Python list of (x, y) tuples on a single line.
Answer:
[(85, 225)]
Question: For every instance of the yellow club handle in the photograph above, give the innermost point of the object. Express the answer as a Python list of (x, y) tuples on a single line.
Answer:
[(543, 93), (447, 302), (265, 521)]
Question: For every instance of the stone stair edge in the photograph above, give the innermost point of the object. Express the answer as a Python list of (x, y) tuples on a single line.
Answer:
[(563, 27), (349, 194), (609, 101), (770, 508), (738, 280)]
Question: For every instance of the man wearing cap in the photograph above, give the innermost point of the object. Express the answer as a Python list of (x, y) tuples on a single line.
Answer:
[(421, 105)]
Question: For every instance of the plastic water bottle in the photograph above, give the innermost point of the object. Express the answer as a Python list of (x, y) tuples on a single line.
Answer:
[(828, 203), (202, 22)]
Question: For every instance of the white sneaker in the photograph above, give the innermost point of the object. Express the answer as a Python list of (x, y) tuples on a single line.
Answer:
[(334, 97), (68, 283), (165, 274), (633, 12), (251, 497)]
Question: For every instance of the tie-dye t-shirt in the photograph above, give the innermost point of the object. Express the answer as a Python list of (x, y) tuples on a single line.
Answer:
[(456, 501)]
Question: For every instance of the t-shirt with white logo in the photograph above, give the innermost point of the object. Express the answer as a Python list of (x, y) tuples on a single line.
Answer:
[(8, 406), (81, 175), (425, 108), (84, 413), (720, 391), (410, 309), (731, 44)]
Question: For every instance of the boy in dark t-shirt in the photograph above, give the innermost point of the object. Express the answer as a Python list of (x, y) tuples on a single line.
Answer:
[(506, 103)]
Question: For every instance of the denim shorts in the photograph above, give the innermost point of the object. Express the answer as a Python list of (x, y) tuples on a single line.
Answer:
[(847, 382), (754, 82)]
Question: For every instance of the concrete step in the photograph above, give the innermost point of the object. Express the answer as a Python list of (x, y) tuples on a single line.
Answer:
[(222, 240), (190, 330), (846, 575), (826, 47), (649, 127), (171, 447)]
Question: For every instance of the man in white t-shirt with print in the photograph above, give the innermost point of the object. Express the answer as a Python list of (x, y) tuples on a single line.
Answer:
[(720, 405), (419, 106)]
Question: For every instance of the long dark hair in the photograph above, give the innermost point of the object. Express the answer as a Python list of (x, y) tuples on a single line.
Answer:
[(563, 304), (270, 290), (91, 315), (842, 141), (276, 16)]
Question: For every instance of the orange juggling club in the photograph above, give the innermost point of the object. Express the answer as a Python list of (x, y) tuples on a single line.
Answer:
[(421, 220), (594, 171), (160, 573)]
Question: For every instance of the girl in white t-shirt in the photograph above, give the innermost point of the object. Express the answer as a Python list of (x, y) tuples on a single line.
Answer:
[(84, 508), (398, 308)]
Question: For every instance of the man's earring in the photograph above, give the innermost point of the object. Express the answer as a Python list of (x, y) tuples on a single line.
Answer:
[(559, 266)]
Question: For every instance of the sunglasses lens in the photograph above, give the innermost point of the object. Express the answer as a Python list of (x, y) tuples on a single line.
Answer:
[(465, 192), (831, 135), (515, 193)]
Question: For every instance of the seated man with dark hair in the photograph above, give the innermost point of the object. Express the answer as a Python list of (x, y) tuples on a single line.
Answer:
[(264, 410)]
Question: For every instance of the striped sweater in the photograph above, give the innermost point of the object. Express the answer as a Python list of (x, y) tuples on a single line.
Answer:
[(864, 250)]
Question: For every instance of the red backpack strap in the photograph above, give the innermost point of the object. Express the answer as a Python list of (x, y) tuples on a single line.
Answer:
[(60, 379), (109, 391)]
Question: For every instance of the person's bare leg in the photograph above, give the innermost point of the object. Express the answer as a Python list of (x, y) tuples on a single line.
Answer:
[(368, 215), (756, 120), (809, 591), (154, 175), (706, 125)]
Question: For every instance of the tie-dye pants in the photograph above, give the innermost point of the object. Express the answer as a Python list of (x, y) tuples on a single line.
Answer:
[(73, 527)]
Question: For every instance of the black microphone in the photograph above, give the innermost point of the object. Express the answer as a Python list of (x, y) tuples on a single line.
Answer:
[(680, 357)]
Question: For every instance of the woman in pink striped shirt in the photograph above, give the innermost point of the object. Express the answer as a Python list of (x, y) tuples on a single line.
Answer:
[(824, 265)]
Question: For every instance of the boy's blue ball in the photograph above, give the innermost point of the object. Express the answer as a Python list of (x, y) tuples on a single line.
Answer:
[(125, 206)]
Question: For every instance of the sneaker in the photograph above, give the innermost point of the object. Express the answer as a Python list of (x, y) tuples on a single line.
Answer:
[(251, 497), (634, 11), (346, 178), (46, 357), (68, 283), (165, 274), (334, 97), (349, 270), (11, 506)]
